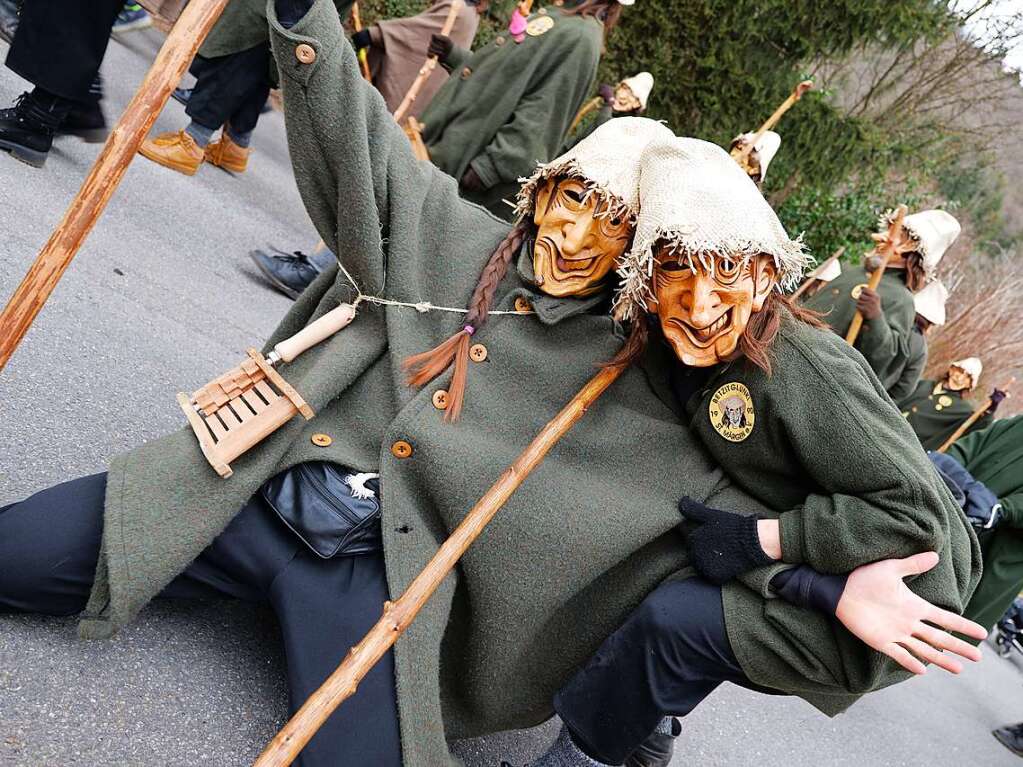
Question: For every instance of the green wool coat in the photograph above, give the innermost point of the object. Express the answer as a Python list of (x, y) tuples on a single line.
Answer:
[(934, 413), (243, 25), (995, 457), (508, 105), (916, 363), (833, 459), (885, 342)]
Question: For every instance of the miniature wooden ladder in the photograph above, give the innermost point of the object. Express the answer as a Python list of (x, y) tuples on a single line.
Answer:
[(241, 408)]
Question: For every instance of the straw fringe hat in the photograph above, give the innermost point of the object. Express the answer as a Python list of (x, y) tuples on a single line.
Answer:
[(929, 303), (607, 160), (934, 232), (696, 198), (764, 150), (640, 84)]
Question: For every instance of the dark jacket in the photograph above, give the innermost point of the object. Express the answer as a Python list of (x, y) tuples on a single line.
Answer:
[(934, 413)]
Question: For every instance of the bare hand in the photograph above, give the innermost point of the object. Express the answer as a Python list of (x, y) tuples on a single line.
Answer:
[(869, 304), (880, 610)]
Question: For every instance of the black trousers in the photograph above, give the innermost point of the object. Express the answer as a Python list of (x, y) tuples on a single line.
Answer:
[(230, 89), (60, 44), (49, 546), (669, 655)]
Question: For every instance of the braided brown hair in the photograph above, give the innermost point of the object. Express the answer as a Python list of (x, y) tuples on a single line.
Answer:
[(422, 368)]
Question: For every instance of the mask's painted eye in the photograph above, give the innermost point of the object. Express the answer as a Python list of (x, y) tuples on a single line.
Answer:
[(727, 266), (672, 265), (574, 194)]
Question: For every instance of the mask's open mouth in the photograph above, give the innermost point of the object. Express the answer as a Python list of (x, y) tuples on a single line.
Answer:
[(705, 337), (573, 267)]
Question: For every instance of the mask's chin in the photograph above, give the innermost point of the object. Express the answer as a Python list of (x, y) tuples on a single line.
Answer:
[(691, 350)]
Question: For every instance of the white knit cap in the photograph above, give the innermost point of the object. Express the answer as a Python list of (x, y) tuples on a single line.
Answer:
[(695, 197), (607, 160), (934, 232), (640, 84), (831, 270), (930, 302), (765, 149), (626, 2), (972, 366)]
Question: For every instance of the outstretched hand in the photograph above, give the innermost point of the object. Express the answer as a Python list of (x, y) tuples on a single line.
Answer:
[(869, 304), (879, 609)]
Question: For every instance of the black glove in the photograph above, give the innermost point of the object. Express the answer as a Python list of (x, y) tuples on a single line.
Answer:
[(607, 93), (471, 181), (869, 304), (362, 39), (440, 46), (289, 12), (996, 399), (725, 544)]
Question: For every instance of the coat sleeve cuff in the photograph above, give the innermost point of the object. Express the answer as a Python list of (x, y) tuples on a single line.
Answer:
[(486, 171), (457, 58), (790, 530)]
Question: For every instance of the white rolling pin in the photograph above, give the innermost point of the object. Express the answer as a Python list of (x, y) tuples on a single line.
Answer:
[(319, 330)]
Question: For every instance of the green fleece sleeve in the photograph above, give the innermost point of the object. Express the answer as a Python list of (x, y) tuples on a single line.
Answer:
[(457, 59), (884, 343), (906, 383), (1012, 510), (537, 128), (878, 496)]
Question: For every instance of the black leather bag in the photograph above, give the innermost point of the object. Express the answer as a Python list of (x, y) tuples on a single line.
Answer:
[(334, 511)]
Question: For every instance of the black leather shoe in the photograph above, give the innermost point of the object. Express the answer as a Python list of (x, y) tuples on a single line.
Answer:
[(8, 19), (657, 750), (1011, 737), (26, 129), (182, 95), (86, 121), (290, 273)]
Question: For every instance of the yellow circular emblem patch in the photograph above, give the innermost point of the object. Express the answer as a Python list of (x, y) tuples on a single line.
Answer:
[(731, 412), (944, 400), (539, 26), (855, 292)]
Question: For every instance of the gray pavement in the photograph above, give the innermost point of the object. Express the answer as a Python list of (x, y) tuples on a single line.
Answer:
[(161, 298)]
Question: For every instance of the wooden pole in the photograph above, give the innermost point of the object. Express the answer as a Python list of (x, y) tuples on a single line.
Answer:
[(743, 155), (398, 615), (588, 107), (428, 66), (886, 252), (177, 52), (362, 55), (982, 408), (818, 270)]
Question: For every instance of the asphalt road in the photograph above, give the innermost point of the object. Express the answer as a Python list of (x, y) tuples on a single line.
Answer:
[(161, 298)]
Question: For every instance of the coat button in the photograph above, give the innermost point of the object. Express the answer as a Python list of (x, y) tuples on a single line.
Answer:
[(401, 449), (323, 440), (522, 305), (499, 40), (440, 399), (466, 73), (305, 53), (477, 352)]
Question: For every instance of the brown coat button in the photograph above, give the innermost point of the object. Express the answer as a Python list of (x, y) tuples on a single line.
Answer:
[(499, 40), (440, 399), (477, 352), (466, 73), (401, 449), (522, 305), (323, 440), (305, 53)]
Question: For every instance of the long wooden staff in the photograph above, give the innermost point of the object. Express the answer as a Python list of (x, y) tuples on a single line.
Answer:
[(178, 50), (398, 615), (743, 155), (887, 250), (977, 414), (362, 55), (428, 66), (588, 107), (819, 270)]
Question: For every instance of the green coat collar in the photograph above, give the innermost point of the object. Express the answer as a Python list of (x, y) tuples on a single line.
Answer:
[(549, 309)]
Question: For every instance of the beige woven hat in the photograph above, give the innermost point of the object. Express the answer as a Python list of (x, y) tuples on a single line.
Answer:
[(831, 270), (608, 160), (765, 149), (973, 367), (694, 196), (934, 232), (640, 84), (930, 302)]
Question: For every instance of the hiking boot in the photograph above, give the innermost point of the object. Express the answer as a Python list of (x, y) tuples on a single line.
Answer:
[(131, 17), (177, 151), (86, 121), (290, 273), (1011, 737), (226, 154), (27, 128), (8, 20)]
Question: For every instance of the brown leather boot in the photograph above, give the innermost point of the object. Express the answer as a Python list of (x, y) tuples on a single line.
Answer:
[(226, 154), (177, 151)]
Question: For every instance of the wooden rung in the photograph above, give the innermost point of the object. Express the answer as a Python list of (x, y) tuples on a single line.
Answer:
[(254, 401), (219, 432), (268, 394), (229, 418), (285, 388), (241, 409), (255, 430), (206, 444)]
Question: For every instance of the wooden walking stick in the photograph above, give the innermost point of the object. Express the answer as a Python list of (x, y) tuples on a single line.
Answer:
[(741, 153), (178, 50), (588, 107), (818, 270), (977, 414), (428, 66), (362, 55), (398, 615), (893, 244)]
